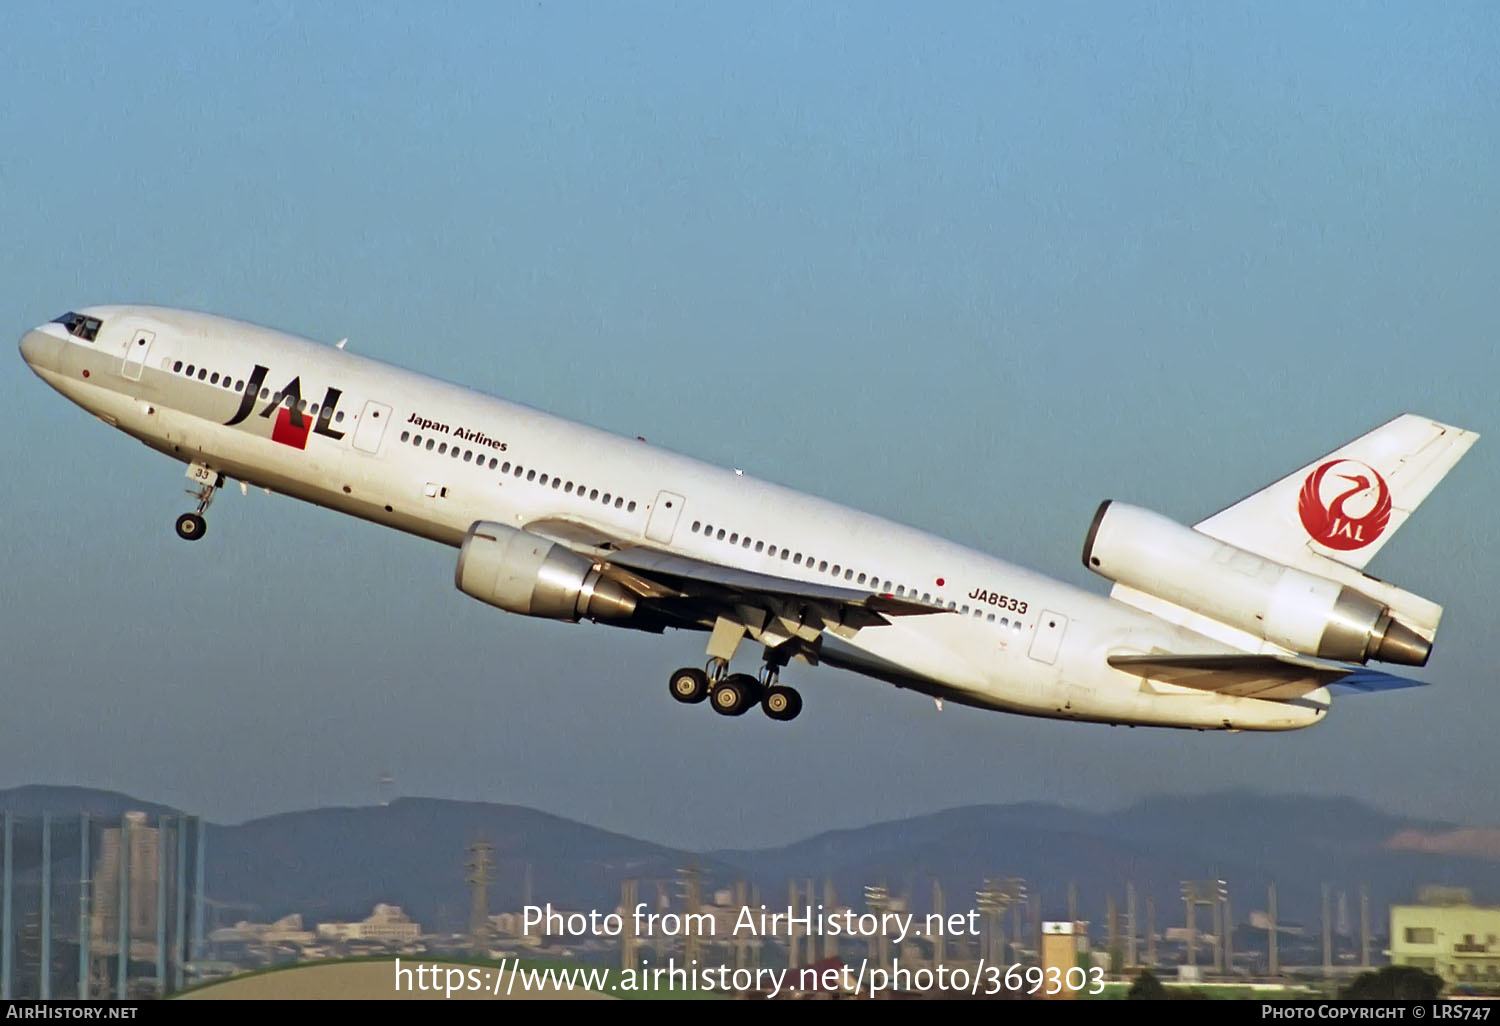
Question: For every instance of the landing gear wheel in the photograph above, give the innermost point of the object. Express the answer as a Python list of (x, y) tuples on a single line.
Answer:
[(190, 527), (733, 695), (689, 685), (782, 703)]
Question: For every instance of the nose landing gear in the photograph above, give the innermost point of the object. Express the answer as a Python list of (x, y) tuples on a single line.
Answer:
[(191, 526)]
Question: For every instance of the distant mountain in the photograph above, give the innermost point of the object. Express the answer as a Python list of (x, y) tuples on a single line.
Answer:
[(338, 862)]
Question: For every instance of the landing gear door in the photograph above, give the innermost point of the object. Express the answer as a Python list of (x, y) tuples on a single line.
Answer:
[(664, 516), (1050, 628), (136, 353), (371, 427)]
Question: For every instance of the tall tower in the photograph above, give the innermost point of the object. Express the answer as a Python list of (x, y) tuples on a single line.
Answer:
[(480, 862)]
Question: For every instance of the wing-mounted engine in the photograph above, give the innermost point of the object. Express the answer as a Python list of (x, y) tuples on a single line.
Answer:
[(524, 573), (1296, 610)]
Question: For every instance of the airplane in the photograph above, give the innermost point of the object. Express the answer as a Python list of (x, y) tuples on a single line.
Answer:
[(1251, 619)]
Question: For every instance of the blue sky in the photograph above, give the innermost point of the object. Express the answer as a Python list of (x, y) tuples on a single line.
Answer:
[(973, 267)]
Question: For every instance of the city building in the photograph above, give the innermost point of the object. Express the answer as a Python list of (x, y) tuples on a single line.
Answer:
[(386, 925), (286, 930), (1447, 934), (143, 867)]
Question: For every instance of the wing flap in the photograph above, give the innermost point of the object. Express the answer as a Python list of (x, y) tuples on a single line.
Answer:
[(1277, 678)]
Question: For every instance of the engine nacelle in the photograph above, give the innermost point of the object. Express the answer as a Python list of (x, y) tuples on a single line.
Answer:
[(524, 573), (1288, 607)]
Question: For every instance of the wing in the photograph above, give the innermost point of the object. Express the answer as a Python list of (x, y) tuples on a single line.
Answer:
[(698, 591), (1278, 678)]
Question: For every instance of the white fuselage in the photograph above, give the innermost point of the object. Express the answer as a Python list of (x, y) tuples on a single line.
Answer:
[(1015, 640)]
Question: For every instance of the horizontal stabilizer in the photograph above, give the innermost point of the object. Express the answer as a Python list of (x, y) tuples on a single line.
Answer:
[(1276, 678)]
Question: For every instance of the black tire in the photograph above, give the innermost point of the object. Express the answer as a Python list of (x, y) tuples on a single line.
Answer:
[(190, 527), (782, 703), (734, 694), (688, 685)]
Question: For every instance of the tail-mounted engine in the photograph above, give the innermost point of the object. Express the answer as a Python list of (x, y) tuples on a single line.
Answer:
[(522, 573), (1296, 610)]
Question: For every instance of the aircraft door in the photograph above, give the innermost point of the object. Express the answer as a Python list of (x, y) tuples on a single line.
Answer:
[(135, 354), (664, 515), (371, 428), (1050, 628)]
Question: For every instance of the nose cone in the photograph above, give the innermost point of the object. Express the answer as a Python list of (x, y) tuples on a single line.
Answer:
[(37, 349)]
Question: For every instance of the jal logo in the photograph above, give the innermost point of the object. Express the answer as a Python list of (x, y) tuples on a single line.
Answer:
[(292, 425), (1344, 505)]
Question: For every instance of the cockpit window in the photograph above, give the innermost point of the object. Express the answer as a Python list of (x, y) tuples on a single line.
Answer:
[(79, 326)]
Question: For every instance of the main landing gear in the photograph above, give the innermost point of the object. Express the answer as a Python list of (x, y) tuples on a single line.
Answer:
[(732, 694), (191, 526)]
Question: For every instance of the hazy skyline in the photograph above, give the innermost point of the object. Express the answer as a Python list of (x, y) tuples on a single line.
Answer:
[(972, 267)]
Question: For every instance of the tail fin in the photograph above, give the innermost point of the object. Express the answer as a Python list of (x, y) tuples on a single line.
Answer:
[(1348, 504)]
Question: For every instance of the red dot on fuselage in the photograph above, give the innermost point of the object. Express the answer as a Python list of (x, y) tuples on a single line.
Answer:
[(85, 373), (940, 582)]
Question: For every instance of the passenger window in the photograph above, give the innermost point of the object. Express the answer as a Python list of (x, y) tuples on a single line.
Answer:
[(593, 494), (177, 367), (606, 498), (189, 370), (468, 454), (823, 567), (405, 436), (214, 380), (493, 462), (556, 483), (619, 502), (797, 559), (239, 386), (542, 480), (265, 393), (697, 526), (760, 546), (926, 596), (734, 539), (505, 467), (746, 542), (848, 575), (630, 508), (771, 550), (430, 444), (861, 579), (720, 535), (443, 449), (531, 475), (519, 471), (785, 553), (568, 487), (416, 440), (338, 417)]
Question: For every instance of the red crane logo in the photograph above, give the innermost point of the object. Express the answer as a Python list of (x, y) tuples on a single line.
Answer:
[(1329, 522)]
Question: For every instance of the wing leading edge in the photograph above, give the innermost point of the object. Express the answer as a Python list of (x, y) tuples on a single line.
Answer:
[(659, 574)]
